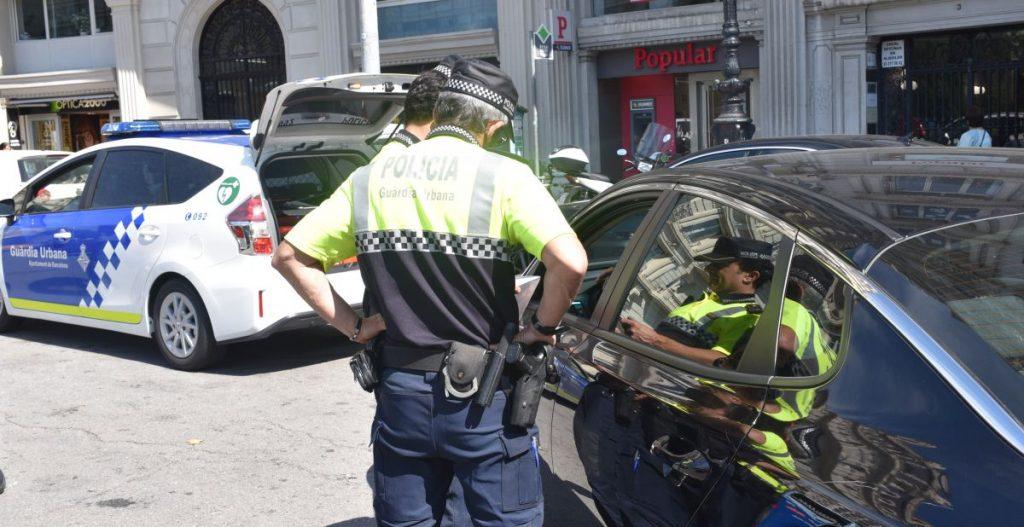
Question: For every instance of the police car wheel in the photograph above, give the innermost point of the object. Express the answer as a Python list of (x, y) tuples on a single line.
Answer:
[(8, 322), (182, 333)]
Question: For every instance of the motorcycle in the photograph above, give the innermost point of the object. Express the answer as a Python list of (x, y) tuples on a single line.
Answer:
[(653, 151), (569, 183)]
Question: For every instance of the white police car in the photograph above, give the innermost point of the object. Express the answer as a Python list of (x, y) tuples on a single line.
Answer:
[(168, 230)]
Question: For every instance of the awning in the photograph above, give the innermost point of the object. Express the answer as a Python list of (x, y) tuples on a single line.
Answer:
[(34, 88), (45, 101)]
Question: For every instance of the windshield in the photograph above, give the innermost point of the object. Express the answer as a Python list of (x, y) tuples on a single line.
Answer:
[(32, 165), (657, 139), (965, 286)]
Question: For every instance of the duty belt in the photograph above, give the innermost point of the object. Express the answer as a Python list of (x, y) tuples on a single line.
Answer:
[(408, 358)]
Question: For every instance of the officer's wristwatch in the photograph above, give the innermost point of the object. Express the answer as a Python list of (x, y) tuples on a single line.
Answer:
[(541, 328)]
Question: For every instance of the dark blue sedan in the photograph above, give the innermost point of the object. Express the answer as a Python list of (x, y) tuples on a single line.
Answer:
[(878, 377)]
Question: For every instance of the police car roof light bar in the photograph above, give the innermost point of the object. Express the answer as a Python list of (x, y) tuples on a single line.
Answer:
[(150, 128)]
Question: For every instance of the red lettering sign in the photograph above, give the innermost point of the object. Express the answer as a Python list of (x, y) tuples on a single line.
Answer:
[(563, 24), (662, 60)]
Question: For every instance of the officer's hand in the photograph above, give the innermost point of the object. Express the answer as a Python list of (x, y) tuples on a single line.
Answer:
[(529, 335), (640, 332), (372, 326)]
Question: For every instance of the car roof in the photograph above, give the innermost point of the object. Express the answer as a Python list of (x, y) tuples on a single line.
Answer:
[(858, 201), (813, 142), (20, 154), (211, 149)]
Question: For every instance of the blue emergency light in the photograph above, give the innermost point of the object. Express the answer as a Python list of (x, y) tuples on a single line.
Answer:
[(175, 128)]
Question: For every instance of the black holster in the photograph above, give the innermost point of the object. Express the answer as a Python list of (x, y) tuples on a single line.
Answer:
[(532, 367), (365, 366)]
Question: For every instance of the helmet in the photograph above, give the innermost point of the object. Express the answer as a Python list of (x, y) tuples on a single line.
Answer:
[(569, 159)]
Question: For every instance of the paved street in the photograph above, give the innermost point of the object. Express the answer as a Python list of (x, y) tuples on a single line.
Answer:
[(95, 430)]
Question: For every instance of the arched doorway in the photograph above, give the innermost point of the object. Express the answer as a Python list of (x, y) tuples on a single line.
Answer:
[(241, 58)]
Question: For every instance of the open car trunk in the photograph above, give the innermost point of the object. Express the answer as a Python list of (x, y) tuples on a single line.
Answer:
[(313, 134)]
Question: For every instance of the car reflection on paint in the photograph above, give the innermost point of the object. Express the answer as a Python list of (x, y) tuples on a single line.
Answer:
[(900, 271)]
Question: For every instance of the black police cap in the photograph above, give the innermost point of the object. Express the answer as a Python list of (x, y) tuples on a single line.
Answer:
[(446, 65), (485, 81), (735, 248)]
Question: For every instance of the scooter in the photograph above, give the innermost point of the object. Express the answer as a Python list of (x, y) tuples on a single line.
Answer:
[(569, 183), (652, 151)]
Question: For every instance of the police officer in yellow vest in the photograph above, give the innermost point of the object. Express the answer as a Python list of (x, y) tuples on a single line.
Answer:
[(710, 329), (434, 229), (418, 111)]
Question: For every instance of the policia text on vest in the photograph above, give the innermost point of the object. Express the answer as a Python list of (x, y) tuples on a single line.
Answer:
[(439, 273)]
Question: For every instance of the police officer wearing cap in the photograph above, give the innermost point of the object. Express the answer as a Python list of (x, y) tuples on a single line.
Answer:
[(710, 329), (418, 111), (434, 229)]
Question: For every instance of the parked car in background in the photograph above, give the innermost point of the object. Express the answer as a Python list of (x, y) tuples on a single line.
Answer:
[(168, 231), (879, 381), (782, 145), (17, 167)]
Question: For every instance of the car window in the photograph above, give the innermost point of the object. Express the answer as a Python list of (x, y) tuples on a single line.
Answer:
[(32, 165), (965, 286), (604, 250), (770, 151), (130, 178), (187, 175), (62, 192), (691, 297), (812, 319), (297, 185)]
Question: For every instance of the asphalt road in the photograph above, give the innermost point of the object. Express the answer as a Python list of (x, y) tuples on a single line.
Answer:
[(95, 430)]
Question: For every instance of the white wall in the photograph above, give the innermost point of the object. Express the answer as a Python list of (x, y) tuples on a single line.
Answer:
[(69, 53)]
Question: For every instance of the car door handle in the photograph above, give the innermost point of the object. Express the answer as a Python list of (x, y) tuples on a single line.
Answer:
[(62, 235), (149, 232), (693, 464)]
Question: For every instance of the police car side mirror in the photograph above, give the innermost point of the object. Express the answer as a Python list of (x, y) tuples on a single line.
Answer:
[(6, 208)]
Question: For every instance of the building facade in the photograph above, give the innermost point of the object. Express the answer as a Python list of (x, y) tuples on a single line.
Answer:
[(815, 66)]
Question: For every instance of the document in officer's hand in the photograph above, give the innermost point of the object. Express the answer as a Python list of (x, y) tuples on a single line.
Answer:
[(525, 287)]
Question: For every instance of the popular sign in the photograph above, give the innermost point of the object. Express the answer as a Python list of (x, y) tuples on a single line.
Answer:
[(688, 54), (565, 33)]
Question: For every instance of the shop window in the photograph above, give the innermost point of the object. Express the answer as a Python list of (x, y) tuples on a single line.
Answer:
[(186, 176), (31, 20), (611, 7), (69, 18), (411, 18), (41, 19), (130, 178)]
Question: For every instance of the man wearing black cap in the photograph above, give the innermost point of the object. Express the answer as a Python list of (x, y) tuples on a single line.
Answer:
[(418, 111), (709, 330), (434, 229)]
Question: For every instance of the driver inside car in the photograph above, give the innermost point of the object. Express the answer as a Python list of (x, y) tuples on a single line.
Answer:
[(709, 329)]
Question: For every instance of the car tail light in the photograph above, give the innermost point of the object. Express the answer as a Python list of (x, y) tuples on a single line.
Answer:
[(248, 224)]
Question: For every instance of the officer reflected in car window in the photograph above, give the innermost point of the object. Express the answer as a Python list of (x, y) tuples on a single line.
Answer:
[(711, 327)]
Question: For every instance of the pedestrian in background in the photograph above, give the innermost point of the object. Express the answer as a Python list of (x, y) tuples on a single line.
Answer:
[(976, 136)]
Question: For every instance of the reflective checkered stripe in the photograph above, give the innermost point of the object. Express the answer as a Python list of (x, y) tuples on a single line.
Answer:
[(103, 271), (434, 242), (484, 93)]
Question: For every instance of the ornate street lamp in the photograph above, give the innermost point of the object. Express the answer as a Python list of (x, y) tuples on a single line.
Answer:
[(733, 123)]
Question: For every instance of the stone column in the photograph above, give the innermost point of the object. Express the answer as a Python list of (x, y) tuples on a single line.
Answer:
[(128, 53), (849, 81), (588, 122), (783, 70), (334, 38)]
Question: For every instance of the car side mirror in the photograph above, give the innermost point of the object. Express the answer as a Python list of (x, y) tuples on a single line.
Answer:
[(621, 152), (6, 208)]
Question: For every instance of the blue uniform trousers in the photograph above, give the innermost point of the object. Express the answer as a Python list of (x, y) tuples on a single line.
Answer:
[(422, 440)]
